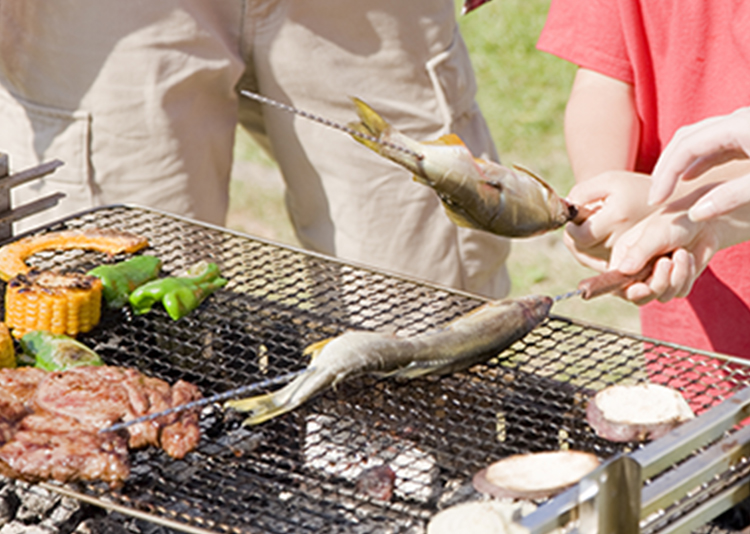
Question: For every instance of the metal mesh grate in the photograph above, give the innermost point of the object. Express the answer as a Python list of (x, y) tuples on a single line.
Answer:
[(299, 473)]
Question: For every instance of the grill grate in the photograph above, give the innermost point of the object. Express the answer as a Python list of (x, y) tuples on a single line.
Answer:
[(299, 473)]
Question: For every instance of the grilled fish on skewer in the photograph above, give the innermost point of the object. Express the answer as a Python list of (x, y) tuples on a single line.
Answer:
[(472, 338), (475, 193), (496, 324)]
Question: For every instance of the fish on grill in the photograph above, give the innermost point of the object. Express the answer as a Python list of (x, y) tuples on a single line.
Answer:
[(49, 421), (471, 339)]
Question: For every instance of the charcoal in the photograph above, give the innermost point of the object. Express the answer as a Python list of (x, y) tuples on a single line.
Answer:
[(17, 527), (102, 525), (66, 515), (9, 502), (36, 503)]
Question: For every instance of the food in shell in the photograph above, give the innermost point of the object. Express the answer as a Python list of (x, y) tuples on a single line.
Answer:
[(637, 412), (60, 303), (13, 255), (534, 476)]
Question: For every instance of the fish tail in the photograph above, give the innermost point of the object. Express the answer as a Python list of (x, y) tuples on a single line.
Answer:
[(265, 407), (262, 408), (371, 121)]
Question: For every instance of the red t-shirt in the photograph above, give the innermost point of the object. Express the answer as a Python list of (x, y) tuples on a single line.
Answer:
[(687, 60)]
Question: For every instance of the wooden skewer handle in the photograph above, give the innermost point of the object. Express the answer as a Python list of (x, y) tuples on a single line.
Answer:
[(611, 281)]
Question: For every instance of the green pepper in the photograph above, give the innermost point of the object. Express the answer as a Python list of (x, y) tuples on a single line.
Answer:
[(120, 279), (179, 294), (57, 352)]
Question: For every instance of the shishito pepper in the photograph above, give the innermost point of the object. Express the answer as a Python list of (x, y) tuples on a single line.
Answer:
[(57, 352), (119, 280), (179, 294)]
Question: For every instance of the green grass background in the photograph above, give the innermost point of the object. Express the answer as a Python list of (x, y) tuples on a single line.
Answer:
[(522, 93)]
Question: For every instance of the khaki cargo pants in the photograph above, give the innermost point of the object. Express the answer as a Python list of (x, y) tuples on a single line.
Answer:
[(139, 100)]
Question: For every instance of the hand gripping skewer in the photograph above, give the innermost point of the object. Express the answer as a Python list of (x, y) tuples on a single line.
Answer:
[(606, 283)]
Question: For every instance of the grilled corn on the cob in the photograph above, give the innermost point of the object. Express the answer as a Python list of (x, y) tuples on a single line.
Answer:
[(53, 302)]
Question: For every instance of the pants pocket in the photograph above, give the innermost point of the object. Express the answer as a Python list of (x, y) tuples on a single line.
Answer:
[(453, 79)]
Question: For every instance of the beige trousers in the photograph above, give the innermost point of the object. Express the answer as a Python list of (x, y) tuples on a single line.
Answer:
[(139, 100)]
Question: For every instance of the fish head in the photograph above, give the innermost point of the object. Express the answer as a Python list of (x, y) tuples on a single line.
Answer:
[(536, 308)]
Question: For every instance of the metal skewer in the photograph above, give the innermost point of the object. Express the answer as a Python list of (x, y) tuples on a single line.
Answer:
[(327, 122), (208, 400)]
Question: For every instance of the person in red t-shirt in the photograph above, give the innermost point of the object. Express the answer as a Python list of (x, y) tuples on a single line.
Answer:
[(648, 68)]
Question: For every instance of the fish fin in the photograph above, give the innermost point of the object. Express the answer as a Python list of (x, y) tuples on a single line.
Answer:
[(448, 139), (314, 349), (416, 370), (458, 215), (371, 121), (532, 174), (263, 408), (359, 127)]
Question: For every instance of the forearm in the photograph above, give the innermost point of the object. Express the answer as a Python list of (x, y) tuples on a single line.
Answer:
[(601, 125)]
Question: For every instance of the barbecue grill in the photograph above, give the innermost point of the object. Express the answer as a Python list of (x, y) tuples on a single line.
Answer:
[(300, 473)]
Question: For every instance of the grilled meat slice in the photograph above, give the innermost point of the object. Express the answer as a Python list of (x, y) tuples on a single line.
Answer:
[(11, 413), (181, 433), (102, 396), (48, 446), (20, 384), (49, 422)]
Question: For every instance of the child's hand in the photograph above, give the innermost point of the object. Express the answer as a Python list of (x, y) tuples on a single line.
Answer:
[(619, 198), (683, 246), (683, 249)]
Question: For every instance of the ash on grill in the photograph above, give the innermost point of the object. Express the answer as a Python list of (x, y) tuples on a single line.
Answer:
[(30, 509)]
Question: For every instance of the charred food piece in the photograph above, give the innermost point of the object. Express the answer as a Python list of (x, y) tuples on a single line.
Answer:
[(377, 482), (60, 303), (637, 412), (534, 476), (57, 352), (13, 255)]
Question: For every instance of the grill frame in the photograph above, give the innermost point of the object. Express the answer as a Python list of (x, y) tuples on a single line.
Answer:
[(294, 297)]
